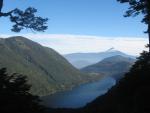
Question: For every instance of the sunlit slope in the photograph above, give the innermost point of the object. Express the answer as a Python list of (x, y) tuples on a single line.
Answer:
[(47, 71)]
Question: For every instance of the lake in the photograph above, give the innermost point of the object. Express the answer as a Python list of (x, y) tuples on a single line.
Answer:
[(79, 96)]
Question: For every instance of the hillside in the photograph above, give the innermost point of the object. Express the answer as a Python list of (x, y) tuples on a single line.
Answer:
[(130, 95), (81, 60), (46, 70), (114, 66)]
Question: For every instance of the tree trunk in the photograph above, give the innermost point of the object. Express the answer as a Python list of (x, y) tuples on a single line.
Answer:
[(1, 5), (149, 37)]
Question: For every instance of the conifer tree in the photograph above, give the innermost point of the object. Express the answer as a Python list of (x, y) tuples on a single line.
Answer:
[(15, 96)]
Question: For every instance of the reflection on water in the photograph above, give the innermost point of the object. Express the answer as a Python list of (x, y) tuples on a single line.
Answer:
[(79, 96)]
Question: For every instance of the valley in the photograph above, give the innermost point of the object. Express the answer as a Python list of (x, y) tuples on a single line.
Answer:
[(47, 71), (79, 96), (74, 56), (58, 82)]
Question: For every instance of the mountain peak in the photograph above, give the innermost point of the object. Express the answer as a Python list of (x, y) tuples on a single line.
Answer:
[(16, 38), (112, 49), (21, 43)]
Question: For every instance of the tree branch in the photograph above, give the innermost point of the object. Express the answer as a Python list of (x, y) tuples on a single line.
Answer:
[(24, 19), (6, 14)]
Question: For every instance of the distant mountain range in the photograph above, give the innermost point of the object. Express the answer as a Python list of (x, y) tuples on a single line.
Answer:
[(81, 60), (46, 70), (115, 66)]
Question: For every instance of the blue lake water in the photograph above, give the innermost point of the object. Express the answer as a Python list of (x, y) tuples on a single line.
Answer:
[(79, 96)]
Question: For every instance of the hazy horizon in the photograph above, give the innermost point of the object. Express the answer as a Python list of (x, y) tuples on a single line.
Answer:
[(82, 26), (68, 43)]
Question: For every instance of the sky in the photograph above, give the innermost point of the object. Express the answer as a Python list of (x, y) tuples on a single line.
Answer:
[(81, 19)]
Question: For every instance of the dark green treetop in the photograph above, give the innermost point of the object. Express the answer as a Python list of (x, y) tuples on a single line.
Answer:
[(15, 96)]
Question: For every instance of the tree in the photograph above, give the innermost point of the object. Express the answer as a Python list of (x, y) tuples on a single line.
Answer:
[(15, 96), (24, 19), (14, 90), (137, 7)]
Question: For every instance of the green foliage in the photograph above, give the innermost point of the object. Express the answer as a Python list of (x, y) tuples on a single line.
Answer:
[(27, 19), (24, 19), (138, 7), (47, 71), (15, 96)]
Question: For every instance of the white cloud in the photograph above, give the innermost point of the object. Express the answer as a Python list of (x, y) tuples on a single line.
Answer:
[(64, 43)]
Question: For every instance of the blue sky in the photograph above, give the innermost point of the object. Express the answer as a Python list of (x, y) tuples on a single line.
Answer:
[(82, 17), (82, 25)]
